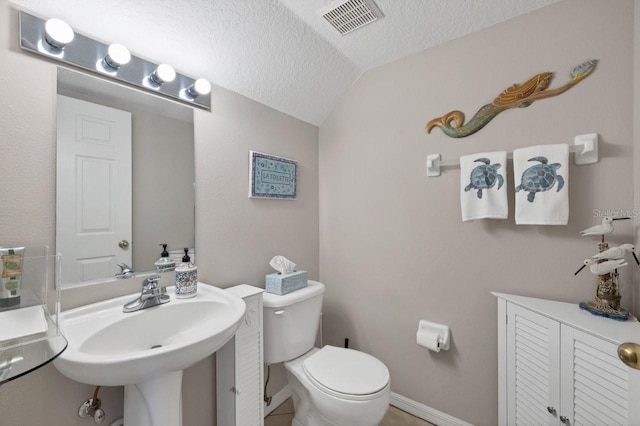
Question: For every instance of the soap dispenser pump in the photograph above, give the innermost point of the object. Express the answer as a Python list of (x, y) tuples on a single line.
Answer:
[(186, 258), (165, 264)]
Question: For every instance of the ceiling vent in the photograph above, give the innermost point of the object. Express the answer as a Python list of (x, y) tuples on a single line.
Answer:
[(347, 16)]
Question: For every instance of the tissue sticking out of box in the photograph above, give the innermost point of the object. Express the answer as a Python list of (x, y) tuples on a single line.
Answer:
[(282, 265)]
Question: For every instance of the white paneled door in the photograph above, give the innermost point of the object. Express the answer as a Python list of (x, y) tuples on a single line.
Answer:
[(93, 193)]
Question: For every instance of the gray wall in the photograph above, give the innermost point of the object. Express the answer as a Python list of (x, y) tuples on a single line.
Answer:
[(393, 249), (237, 236), (234, 243)]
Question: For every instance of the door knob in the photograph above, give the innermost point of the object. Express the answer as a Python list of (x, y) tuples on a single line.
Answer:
[(628, 353), (123, 244)]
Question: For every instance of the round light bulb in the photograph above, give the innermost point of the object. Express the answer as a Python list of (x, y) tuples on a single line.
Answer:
[(163, 74), (200, 87), (58, 33), (117, 55)]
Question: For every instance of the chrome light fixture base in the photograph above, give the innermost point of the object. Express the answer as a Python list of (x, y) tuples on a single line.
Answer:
[(89, 54)]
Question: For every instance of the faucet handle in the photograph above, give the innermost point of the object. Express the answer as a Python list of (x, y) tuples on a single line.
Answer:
[(124, 268), (151, 282)]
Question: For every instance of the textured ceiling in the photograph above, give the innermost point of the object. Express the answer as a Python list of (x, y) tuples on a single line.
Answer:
[(278, 52)]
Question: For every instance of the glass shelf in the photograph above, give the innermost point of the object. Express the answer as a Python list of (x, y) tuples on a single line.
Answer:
[(34, 338), (29, 354)]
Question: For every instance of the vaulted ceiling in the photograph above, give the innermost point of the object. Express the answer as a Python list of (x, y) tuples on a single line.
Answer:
[(281, 53)]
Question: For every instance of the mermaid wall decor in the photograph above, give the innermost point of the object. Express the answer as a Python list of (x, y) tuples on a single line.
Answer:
[(516, 96)]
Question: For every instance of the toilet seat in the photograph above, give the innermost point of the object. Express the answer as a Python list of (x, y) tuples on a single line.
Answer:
[(346, 373)]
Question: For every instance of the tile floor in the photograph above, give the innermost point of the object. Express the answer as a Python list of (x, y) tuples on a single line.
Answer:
[(283, 415)]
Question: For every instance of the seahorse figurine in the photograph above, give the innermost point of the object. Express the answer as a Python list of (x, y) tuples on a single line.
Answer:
[(516, 96)]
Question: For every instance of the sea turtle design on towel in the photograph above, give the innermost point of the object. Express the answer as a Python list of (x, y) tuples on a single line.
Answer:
[(484, 176), (540, 178)]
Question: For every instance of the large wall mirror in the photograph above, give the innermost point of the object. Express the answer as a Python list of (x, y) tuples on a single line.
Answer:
[(125, 179)]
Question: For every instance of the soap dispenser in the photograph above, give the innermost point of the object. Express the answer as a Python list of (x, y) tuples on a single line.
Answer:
[(186, 277), (165, 263)]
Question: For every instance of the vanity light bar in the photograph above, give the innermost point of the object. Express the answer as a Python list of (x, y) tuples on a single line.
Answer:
[(112, 61)]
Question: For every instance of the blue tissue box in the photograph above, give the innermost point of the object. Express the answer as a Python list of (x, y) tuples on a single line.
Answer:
[(277, 283)]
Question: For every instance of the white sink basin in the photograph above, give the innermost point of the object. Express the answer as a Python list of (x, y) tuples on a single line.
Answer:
[(145, 349), (112, 348)]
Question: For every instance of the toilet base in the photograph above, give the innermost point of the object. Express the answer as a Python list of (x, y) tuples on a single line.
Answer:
[(315, 408), (306, 415)]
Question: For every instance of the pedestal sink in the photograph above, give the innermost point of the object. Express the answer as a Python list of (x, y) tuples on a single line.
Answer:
[(147, 350)]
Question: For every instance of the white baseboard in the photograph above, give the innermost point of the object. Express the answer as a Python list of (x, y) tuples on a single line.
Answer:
[(425, 412), (412, 407), (277, 399)]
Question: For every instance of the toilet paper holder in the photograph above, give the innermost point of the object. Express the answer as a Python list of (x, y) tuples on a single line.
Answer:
[(433, 336)]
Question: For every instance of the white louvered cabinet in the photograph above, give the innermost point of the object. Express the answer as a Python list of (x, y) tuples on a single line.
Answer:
[(558, 365), (239, 368)]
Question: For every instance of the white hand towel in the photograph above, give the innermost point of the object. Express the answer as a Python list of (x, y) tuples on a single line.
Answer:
[(541, 175), (483, 192)]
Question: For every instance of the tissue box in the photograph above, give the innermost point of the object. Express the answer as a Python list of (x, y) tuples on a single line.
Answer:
[(277, 283)]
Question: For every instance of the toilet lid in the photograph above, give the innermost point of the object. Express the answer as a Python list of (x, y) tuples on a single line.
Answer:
[(347, 371)]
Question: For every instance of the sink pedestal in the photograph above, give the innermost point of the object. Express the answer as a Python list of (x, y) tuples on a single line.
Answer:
[(156, 402)]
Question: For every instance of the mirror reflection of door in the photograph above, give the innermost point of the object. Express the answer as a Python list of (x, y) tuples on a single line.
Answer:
[(93, 202)]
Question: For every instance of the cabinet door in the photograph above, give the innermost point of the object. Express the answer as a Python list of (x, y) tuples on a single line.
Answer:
[(533, 368), (249, 406), (239, 371), (597, 388)]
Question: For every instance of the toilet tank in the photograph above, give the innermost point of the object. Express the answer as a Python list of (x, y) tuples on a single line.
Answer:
[(291, 322)]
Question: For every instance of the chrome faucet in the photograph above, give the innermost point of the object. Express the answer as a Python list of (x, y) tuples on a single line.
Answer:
[(151, 295), (125, 272)]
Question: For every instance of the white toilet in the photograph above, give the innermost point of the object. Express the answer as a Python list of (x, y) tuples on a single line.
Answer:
[(330, 386)]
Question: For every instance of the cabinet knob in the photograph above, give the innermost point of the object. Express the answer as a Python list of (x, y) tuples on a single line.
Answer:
[(551, 410), (628, 353), (564, 420)]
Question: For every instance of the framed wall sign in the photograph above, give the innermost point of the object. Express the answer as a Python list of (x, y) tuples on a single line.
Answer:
[(272, 177)]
